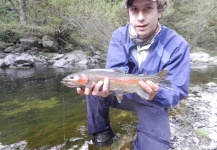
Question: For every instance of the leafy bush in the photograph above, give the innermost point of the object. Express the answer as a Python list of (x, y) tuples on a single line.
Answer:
[(9, 36), (84, 22), (99, 21)]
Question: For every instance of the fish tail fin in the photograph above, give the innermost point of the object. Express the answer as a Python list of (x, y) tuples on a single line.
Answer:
[(163, 81), (162, 74)]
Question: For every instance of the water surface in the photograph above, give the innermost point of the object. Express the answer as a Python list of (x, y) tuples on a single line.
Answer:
[(38, 112)]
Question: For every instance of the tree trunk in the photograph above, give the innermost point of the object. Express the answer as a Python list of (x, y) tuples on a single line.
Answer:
[(22, 9)]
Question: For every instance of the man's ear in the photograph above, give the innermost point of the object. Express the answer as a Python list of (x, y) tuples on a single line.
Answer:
[(160, 14)]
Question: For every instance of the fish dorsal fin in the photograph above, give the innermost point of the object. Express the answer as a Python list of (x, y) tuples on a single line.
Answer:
[(108, 70), (119, 71), (161, 75), (144, 74)]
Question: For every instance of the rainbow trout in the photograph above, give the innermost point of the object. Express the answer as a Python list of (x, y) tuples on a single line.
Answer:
[(119, 82)]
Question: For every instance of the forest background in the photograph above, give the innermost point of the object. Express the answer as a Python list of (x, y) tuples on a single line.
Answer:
[(87, 23)]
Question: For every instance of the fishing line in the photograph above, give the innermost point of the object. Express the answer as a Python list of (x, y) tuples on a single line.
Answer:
[(64, 112)]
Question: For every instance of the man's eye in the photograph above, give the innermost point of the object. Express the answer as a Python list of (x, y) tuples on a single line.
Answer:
[(133, 9), (148, 8)]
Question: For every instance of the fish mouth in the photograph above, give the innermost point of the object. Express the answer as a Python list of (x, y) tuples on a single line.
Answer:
[(68, 84)]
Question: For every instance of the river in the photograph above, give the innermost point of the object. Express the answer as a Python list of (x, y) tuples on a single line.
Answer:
[(38, 112)]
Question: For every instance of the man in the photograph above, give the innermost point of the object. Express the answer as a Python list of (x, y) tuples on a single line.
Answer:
[(142, 46)]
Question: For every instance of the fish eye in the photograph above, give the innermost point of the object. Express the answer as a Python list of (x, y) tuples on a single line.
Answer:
[(71, 77)]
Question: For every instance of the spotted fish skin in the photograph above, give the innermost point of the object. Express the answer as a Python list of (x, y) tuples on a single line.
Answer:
[(119, 82)]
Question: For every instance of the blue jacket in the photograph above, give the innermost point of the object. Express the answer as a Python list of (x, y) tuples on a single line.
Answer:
[(169, 51)]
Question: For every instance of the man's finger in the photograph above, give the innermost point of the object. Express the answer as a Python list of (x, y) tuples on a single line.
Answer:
[(105, 85), (105, 89), (88, 90), (145, 86), (97, 87), (80, 91), (152, 85)]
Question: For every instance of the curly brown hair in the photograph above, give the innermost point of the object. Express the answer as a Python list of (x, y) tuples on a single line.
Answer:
[(162, 4)]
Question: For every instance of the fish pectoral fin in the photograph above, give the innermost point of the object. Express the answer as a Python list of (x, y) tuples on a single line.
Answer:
[(114, 70), (144, 95)]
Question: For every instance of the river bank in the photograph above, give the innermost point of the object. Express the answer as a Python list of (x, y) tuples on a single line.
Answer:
[(34, 52), (196, 127)]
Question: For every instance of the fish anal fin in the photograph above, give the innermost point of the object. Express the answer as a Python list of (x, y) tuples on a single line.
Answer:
[(119, 98), (119, 95)]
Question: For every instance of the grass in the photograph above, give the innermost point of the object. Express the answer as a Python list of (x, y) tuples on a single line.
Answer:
[(202, 133)]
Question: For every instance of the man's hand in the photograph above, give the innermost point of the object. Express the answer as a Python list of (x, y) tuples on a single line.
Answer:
[(95, 89), (150, 87)]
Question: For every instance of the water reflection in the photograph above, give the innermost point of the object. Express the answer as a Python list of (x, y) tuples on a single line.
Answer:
[(204, 74), (38, 112)]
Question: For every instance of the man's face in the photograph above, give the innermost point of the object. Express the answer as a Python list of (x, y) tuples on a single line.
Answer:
[(144, 15)]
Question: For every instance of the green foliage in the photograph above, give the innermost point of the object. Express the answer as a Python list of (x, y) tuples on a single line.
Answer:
[(195, 20), (91, 22), (98, 21), (8, 13), (9, 36)]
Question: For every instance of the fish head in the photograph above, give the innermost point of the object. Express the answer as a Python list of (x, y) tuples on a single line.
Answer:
[(75, 80)]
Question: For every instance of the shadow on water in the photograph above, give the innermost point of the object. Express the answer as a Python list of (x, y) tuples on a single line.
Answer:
[(38, 112)]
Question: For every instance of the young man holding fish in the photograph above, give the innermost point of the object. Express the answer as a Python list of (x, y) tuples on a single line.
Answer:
[(143, 46)]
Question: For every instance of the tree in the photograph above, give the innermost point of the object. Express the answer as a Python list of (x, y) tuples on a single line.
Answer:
[(22, 10)]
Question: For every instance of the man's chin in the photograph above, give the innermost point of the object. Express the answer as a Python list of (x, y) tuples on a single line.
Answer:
[(143, 35)]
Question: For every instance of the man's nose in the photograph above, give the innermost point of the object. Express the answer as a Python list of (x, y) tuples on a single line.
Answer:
[(141, 16)]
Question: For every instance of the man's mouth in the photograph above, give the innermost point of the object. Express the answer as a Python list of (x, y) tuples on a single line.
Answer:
[(140, 27)]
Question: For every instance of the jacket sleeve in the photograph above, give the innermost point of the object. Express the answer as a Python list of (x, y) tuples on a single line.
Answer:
[(117, 57), (179, 75)]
